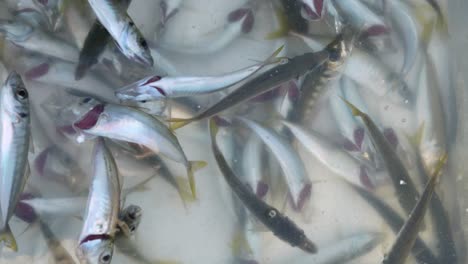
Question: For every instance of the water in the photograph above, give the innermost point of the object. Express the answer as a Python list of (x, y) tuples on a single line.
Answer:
[(197, 41)]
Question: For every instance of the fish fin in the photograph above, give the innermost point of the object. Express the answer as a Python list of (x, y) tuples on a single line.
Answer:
[(440, 164), (183, 188), (6, 236), (176, 123), (416, 138), (213, 128), (283, 26), (354, 110), (194, 166), (123, 227), (273, 58), (239, 243)]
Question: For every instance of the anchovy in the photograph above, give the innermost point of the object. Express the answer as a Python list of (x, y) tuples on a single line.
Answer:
[(124, 31), (292, 68), (33, 39), (61, 255), (294, 171), (15, 141), (96, 241), (132, 125), (335, 158), (406, 191), (156, 87), (238, 22), (168, 9), (94, 45), (279, 224), (408, 233)]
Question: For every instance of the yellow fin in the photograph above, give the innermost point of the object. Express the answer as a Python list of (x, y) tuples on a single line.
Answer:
[(283, 27), (239, 243), (194, 166), (183, 188), (416, 138), (176, 123), (166, 262), (7, 237), (213, 128), (440, 164), (354, 110)]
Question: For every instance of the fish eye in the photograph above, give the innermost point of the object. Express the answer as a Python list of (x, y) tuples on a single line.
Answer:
[(105, 258), (272, 213), (86, 100), (22, 94), (334, 55), (143, 43), (131, 23), (132, 229)]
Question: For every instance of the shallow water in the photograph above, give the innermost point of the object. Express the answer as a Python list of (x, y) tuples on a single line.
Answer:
[(205, 230)]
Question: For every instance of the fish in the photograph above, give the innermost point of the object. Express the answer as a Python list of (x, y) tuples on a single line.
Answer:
[(22, 34), (157, 87), (340, 251), (124, 123), (370, 73), (392, 218), (281, 226), (96, 241), (408, 233), (405, 189), (312, 9), (252, 166), (131, 216), (94, 45), (294, 171), (239, 21), (121, 27), (331, 155), (168, 9), (405, 26), (264, 82), (292, 11), (59, 253), (15, 142)]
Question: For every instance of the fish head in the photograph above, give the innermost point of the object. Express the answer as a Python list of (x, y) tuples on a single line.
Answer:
[(131, 215), (340, 48), (312, 10), (15, 30), (14, 96), (96, 249), (146, 89), (135, 46)]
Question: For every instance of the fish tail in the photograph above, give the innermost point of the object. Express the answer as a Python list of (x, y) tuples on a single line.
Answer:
[(6, 236), (239, 244), (192, 167), (354, 110), (416, 138), (183, 188), (283, 26), (440, 164), (177, 123), (213, 127), (274, 56)]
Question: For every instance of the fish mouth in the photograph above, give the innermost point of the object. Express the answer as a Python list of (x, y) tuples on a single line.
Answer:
[(312, 14), (93, 237), (90, 119)]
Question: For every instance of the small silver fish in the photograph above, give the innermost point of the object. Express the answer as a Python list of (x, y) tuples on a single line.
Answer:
[(15, 140), (408, 234), (121, 27), (96, 241), (132, 125), (157, 87)]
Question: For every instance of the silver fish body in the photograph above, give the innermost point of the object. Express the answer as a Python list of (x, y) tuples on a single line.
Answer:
[(294, 171), (96, 241), (121, 27), (15, 140)]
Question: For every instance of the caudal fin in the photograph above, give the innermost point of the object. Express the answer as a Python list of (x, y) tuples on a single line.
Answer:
[(194, 166), (354, 110), (6, 236)]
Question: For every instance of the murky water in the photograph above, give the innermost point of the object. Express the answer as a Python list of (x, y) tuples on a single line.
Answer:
[(399, 62)]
